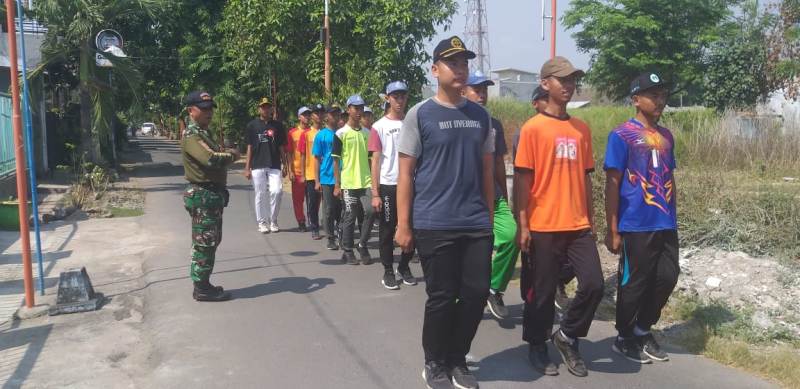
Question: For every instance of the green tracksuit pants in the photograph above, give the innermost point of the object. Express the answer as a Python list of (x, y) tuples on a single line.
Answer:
[(505, 250)]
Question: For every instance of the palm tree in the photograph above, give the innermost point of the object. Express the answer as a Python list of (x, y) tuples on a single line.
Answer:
[(72, 25)]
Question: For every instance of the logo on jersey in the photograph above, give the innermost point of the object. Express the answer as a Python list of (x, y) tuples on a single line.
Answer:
[(566, 148), (266, 136)]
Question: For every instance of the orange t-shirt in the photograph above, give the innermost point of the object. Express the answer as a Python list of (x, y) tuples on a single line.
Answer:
[(560, 154), (312, 166), (293, 146)]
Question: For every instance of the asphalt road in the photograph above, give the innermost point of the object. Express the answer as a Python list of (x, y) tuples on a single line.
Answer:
[(300, 319)]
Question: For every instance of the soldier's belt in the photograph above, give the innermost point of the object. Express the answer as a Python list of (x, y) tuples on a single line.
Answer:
[(209, 186)]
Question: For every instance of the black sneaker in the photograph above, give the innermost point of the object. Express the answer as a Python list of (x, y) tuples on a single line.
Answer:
[(570, 355), (562, 300), (388, 281), (651, 348), (435, 376), (496, 305), (540, 359), (315, 235), (349, 258), (406, 276), (301, 227), (332, 245), (363, 252), (631, 349), (462, 378)]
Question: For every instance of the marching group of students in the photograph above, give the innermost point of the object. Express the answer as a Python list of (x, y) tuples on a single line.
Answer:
[(434, 177)]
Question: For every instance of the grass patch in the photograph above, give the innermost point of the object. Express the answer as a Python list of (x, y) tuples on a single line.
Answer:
[(125, 212), (776, 363), (728, 336)]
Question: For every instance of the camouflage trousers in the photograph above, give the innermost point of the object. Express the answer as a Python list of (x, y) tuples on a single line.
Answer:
[(205, 207)]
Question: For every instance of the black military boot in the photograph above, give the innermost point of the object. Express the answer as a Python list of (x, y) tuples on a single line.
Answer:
[(208, 285), (204, 291)]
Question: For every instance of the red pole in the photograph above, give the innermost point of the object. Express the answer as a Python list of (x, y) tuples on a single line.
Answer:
[(553, 23), (19, 153)]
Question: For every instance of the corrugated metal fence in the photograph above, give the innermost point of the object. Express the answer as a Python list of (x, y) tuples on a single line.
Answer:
[(7, 161)]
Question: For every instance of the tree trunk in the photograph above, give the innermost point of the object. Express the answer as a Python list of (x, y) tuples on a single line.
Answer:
[(93, 138), (87, 140)]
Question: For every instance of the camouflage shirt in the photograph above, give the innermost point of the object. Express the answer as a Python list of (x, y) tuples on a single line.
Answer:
[(203, 159)]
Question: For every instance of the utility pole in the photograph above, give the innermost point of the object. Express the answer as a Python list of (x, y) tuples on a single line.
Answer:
[(553, 25), (19, 154), (477, 35), (326, 30)]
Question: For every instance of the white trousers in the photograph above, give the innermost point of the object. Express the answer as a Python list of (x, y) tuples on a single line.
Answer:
[(267, 181)]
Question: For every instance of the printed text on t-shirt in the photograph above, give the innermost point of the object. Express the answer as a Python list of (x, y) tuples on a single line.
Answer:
[(445, 125)]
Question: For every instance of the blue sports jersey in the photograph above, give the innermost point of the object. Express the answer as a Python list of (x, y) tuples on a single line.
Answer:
[(646, 159), (322, 148)]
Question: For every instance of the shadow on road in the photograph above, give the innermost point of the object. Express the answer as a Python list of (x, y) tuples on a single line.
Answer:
[(513, 320), (508, 365), (303, 253), (512, 364), (297, 285), (19, 350)]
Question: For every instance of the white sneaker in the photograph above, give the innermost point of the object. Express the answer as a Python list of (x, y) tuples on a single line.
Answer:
[(263, 228), (274, 227)]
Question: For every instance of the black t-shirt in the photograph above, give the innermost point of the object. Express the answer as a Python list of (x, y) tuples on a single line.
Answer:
[(266, 139)]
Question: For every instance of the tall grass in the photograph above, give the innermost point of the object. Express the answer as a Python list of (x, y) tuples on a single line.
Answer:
[(730, 190)]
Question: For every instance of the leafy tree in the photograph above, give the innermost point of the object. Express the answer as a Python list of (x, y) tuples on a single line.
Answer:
[(373, 42), (783, 46), (627, 37), (69, 47), (180, 52), (736, 75)]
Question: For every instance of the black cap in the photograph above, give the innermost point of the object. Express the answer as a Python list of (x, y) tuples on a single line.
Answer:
[(200, 99), (646, 81), (334, 108), (539, 93), (317, 108), (450, 47)]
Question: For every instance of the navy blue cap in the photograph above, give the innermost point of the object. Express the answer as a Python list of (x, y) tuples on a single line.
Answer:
[(646, 81), (450, 47), (200, 99)]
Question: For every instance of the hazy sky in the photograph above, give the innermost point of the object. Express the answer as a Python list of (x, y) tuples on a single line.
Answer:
[(515, 37)]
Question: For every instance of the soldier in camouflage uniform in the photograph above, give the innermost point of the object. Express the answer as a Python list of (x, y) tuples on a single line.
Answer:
[(205, 163)]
